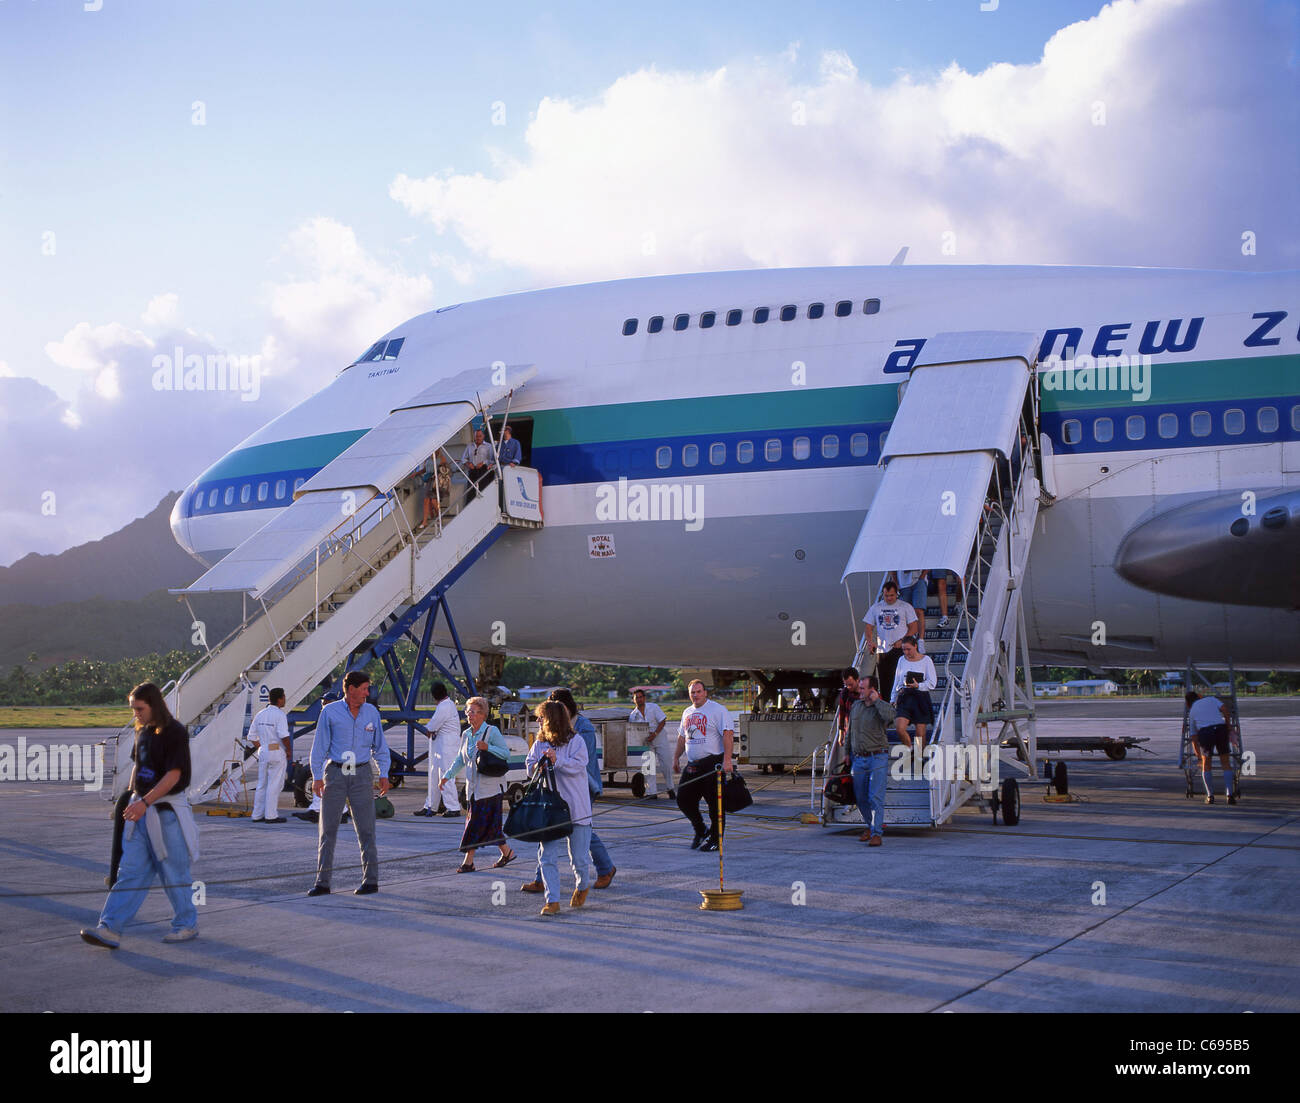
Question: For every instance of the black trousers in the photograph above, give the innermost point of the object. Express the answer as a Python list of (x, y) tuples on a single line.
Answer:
[(699, 779)]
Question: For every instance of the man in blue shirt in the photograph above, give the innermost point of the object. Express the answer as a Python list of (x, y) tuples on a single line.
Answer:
[(510, 452), (348, 734)]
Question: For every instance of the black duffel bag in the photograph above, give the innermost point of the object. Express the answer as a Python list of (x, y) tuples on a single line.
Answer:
[(735, 793), (541, 814)]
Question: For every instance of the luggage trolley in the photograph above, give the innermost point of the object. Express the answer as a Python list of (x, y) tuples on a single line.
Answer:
[(1188, 761)]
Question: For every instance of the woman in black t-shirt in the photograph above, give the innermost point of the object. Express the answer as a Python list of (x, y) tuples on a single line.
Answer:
[(155, 845)]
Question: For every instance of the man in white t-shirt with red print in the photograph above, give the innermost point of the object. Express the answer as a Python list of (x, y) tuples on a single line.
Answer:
[(705, 735)]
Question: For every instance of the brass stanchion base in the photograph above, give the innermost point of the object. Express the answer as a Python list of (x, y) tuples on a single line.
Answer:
[(721, 900)]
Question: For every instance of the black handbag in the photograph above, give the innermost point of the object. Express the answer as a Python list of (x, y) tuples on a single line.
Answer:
[(541, 814), (491, 764), (735, 793)]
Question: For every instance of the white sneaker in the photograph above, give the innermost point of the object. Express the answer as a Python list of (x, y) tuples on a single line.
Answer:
[(943, 622), (102, 936), (183, 935)]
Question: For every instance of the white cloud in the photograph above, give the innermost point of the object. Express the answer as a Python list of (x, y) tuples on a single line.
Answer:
[(163, 310), (88, 348), (336, 301), (752, 165), (121, 443)]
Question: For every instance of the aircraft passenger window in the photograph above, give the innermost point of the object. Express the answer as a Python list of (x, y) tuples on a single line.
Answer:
[(1201, 423), (629, 327), (802, 448), (883, 438), (281, 488), (681, 322), (858, 444), (663, 456), (707, 319), (1266, 419), (394, 348), (198, 502), (816, 310), (843, 308), (1295, 418), (734, 316), (1167, 426), (297, 484), (788, 313), (212, 498), (745, 451), (871, 306), (1103, 430), (830, 446), (1071, 431), (772, 450), (760, 315), (245, 494), (656, 324), (1234, 422), (262, 490), (1135, 427), (717, 453), (229, 496), (690, 455)]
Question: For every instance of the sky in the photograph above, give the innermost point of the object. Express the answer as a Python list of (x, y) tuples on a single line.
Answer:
[(288, 180)]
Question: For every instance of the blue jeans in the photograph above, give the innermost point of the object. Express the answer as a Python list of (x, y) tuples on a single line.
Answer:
[(141, 867), (548, 855), (599, 857), (870, 775)]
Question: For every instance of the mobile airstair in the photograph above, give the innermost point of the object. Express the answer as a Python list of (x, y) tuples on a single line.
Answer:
[(1188, 761), (961, 491), (342, 574)]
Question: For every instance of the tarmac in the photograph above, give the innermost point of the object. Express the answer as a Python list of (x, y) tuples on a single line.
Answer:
[(1131, 898)]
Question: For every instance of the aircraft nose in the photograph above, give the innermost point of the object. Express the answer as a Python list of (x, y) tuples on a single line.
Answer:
[(180, 522)]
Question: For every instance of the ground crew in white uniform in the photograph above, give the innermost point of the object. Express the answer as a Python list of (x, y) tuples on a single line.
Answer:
[(662, 753), (270, 731), (444, 745)]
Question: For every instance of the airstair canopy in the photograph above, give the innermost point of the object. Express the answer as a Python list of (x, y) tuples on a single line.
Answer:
[(961, 409), (371, 467)]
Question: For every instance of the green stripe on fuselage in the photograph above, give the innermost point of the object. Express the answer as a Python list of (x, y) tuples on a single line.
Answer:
[(284, 455), (1198, 381), (797, 408), (739, 413)]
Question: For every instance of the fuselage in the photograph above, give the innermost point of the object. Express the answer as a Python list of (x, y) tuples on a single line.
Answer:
[(772, 427)]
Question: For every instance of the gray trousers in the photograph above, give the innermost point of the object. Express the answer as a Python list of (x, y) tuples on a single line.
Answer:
[(357, 791)]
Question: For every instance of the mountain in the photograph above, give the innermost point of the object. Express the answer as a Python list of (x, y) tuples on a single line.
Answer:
[(136, 560), (107, 599)]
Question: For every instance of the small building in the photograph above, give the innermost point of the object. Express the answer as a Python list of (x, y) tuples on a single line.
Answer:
[(1090, 687), (536, 693), (1048, 689)]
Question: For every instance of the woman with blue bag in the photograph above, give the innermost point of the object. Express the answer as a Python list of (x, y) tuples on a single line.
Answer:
[(567, 758), (483, 749)]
